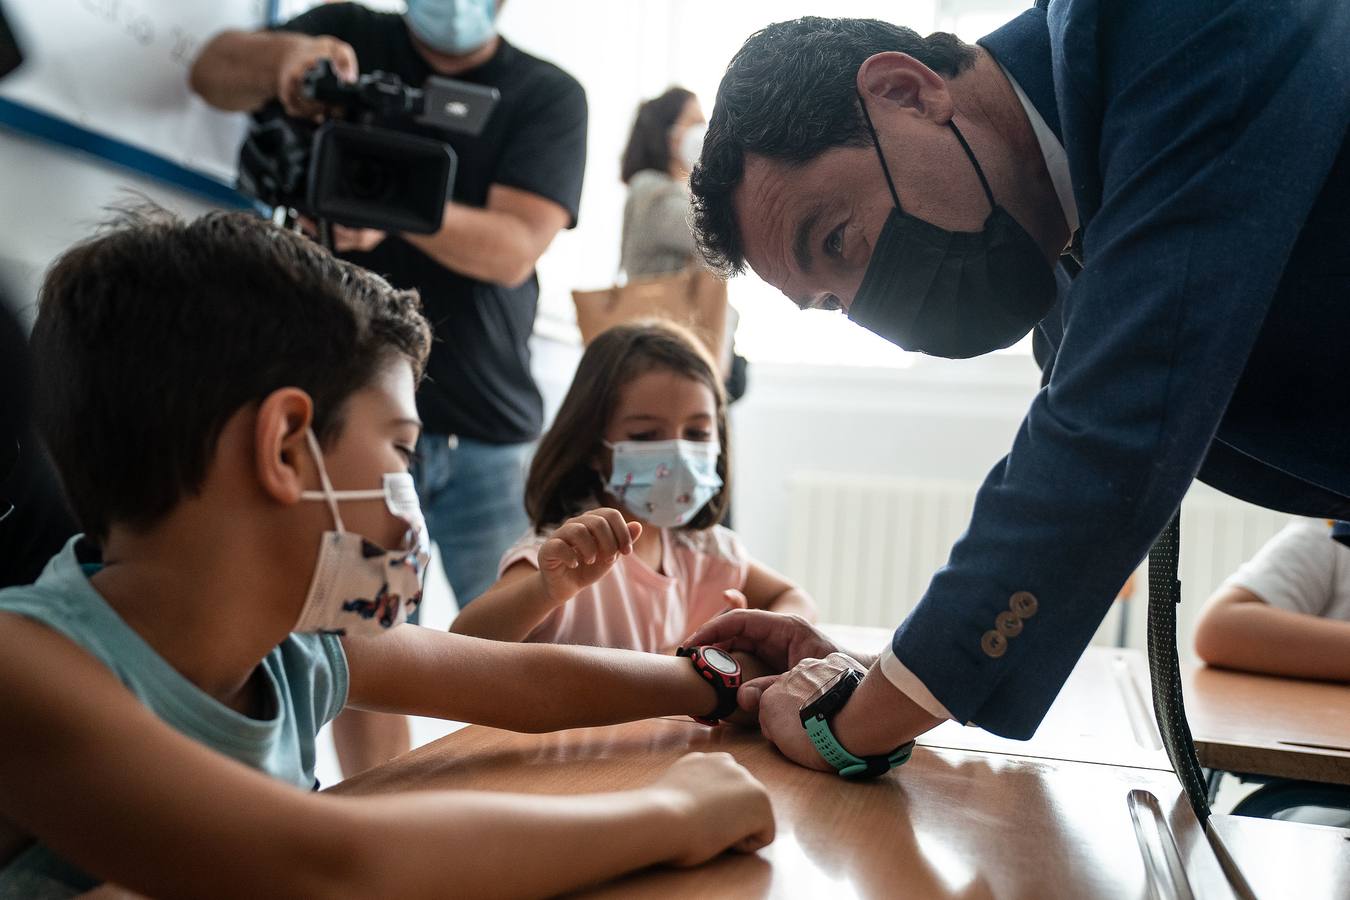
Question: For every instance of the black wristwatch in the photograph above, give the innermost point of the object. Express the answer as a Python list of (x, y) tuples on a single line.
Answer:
[(720, 669), (816, 715)]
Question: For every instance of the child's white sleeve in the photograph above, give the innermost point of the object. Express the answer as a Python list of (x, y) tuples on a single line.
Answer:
[(1295, 570)]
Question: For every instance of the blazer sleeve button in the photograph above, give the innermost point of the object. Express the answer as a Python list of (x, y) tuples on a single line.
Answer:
[(1008, 624), (993, 644), (1024, 604)]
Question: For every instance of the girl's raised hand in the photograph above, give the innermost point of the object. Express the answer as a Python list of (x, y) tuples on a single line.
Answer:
[(583, 549)]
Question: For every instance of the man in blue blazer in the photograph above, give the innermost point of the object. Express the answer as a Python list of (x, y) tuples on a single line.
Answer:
[(1162, 192)]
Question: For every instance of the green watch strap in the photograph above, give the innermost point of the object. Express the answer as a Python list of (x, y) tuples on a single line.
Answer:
[(848, 765)]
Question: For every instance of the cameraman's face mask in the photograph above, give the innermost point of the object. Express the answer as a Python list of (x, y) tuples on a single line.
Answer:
[(455, 27), (952, 293)]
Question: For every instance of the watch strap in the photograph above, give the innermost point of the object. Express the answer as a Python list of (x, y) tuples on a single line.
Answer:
[(845, 763)]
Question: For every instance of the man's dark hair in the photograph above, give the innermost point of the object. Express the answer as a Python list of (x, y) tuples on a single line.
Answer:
[(154, 332), (649, 141), (790, 94)]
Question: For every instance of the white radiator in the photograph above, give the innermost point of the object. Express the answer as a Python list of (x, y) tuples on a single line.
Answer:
[(866, 548)]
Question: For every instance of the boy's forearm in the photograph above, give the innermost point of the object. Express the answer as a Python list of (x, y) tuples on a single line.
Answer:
[(474, 841), (585, 686), (507, 612), (1256, 637), (519, 687)]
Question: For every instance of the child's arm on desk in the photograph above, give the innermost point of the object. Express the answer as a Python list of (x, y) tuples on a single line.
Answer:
[(574, 557), (519, 687), (93, 774), (1239, 630)]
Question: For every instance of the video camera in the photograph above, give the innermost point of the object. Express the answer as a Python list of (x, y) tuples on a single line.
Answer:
[(361, 167)]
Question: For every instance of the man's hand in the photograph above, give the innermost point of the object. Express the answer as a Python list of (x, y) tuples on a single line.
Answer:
[(780, 698), (780, 641), (876, 720), (356, 240), (583, 549), (345, 238), (299, 59)]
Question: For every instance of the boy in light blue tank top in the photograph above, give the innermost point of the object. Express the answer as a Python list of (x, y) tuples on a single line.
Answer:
[(232, 413)]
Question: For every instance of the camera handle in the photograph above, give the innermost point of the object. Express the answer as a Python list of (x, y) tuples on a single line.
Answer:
[(325, 236)]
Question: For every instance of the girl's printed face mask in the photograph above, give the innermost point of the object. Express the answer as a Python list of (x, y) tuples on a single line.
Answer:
[(665, 483), (358, 586)]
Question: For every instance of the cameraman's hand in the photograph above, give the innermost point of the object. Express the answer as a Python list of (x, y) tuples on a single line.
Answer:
[(356, 240), (299, 59)]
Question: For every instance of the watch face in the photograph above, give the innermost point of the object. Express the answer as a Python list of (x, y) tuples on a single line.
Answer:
[(720, 661)]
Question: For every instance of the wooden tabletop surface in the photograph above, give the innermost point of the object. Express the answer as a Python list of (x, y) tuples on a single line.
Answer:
[(949, 823), (1262, 725), (1287, 860)]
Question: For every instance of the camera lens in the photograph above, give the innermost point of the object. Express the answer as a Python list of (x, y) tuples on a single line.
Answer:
[(368, 179)]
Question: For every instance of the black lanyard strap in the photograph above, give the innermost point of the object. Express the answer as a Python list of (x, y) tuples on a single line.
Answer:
[(1164, 594)]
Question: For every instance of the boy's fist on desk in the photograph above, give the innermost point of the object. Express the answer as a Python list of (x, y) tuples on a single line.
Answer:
[(720, 806)]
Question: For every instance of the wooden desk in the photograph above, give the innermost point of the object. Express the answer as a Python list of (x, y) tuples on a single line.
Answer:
[(1266, 848), (1262, 725), (948, 824), (1104, 714)]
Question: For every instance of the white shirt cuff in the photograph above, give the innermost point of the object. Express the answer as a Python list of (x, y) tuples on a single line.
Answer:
[(909, 684)]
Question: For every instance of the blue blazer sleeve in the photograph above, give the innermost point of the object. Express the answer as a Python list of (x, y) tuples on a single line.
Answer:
[(1209, 128)]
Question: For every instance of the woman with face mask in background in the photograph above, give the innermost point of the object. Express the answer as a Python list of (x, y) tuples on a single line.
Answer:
[(663, 148), (638, 450)]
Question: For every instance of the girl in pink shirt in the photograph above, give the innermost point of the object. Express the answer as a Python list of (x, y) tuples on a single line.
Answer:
[(625, 494)]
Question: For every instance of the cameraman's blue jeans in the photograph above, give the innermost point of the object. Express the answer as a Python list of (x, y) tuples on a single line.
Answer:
[(473, 497)]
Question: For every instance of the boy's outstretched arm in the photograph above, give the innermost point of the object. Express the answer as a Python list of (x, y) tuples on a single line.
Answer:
[(94, 775), (1239, 630), (519, 687)]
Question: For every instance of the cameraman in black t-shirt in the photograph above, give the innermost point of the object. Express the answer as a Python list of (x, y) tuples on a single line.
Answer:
[(518, 183)]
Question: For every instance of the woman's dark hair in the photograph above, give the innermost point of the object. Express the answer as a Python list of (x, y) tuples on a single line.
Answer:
[(649, 141), (154, 332), (790, 94), (563, 480)]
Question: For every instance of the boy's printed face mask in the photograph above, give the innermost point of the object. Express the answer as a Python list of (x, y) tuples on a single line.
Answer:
[(665, 483), (358, 586)]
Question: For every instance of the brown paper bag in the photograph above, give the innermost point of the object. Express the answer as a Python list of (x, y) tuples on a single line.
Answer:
[(694, 298)]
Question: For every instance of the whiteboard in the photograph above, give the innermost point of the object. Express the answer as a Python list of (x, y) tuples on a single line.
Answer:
[(118, 69)]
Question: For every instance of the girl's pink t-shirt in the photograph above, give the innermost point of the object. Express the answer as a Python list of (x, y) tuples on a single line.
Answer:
[(634, 607)]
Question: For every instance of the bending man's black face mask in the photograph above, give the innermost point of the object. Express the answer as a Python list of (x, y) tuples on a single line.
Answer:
[(952, 293)]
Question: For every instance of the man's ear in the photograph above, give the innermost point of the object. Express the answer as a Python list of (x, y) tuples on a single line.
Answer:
[(897, 81), (284, 463)]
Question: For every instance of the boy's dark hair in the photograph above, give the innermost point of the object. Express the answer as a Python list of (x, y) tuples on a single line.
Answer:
[(649, 141), (154, 332), (790, 94), (563, 480)]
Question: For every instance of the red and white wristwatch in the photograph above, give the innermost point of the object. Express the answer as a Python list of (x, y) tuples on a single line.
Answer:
[(721, 670)]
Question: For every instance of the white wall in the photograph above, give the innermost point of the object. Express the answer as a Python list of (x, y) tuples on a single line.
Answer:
[(51, 198)]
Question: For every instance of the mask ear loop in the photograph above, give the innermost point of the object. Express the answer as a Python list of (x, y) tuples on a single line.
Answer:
[(876, 145), (975, 163), (323, 478)]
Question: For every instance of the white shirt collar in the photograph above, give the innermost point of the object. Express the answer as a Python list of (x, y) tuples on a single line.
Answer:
[(1056, 160)]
